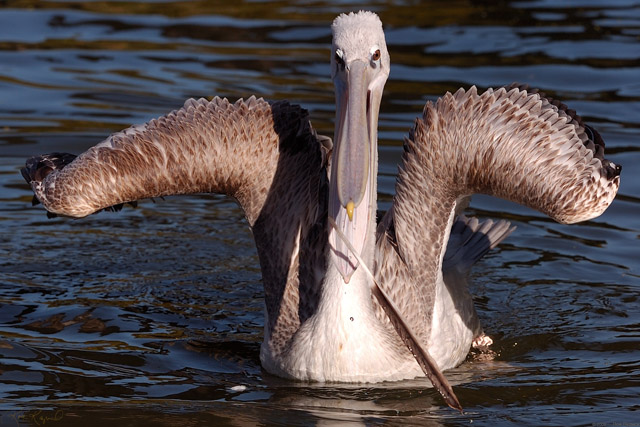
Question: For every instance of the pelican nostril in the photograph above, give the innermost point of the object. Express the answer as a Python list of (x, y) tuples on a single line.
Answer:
[(368, 100)]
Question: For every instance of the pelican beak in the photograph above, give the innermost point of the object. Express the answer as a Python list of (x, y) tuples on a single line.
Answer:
[(353, 166), (353, 143)]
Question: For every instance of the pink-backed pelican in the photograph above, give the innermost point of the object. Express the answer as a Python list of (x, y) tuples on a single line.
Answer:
[(349, 298)]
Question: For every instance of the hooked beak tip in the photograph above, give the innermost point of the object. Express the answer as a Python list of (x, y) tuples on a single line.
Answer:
[(350, 207)]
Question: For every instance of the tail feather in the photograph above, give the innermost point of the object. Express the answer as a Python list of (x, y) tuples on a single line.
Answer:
[(471, 239)]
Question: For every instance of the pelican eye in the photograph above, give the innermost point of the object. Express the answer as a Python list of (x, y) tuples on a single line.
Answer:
[(375, 57)]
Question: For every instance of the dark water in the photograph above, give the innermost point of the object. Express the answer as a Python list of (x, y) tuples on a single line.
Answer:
[(154, 314)]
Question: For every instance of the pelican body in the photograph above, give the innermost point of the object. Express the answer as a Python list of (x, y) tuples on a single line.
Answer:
[(348, 298)]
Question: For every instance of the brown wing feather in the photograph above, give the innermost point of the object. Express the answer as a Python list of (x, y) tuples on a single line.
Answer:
[(206, 146), (511, 143), (265, 155)]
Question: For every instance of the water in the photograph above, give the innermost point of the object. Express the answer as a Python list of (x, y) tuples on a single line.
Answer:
[(154, 314)]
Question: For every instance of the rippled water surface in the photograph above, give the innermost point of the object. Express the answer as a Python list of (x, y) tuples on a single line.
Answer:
[(154, 314)]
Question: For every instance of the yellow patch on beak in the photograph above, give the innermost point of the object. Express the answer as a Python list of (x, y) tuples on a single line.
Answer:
[(350, 207)]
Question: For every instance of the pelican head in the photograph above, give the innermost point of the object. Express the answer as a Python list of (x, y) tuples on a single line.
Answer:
[(359, 69)]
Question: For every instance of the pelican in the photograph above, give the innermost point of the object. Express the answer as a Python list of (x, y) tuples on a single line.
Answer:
[(349, 298)]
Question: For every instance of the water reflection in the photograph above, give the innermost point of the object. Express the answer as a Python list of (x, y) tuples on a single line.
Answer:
[(155, 314)]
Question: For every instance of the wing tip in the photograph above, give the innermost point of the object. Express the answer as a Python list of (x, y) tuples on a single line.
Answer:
[(37, 168)]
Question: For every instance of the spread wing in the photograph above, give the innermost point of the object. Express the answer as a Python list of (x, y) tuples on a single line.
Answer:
[(512, 143), (265, 155)]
